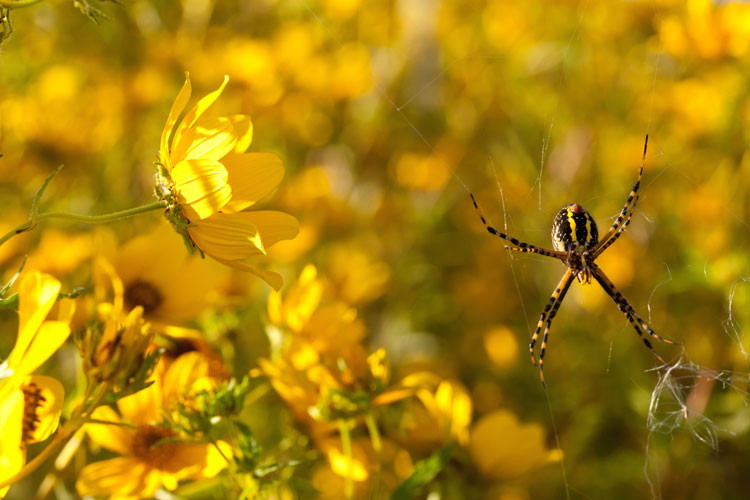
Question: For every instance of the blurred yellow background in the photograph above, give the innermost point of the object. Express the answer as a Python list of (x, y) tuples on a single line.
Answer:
[(385, 113)]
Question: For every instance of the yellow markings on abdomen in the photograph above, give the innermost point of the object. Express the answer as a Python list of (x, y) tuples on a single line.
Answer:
[(572, 223), (588, 228)]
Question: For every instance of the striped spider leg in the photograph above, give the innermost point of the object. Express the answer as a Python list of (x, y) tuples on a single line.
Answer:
[(623, 219)]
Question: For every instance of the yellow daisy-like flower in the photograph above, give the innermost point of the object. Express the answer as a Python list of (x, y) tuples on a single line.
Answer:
[(152, 454), (30, 405), (208, 181), (169, 285)]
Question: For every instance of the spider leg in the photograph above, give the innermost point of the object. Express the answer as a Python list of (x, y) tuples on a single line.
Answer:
[(624, 306), (606, 243), (597, 270), (629, 207), (519, 246), (550, 310), (540, 251)]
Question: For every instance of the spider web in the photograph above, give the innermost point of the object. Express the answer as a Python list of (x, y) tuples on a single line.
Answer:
[(683, 392)]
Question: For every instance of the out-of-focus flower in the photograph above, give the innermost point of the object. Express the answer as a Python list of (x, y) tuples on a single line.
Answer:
[(326, 331), (428, 172), (318, 365), (502, 447), (440, 413), (208, 180), (42, 114), (707, 30), (357, 274), (501, 346), (368, 468), (61, 252), (30, 405), (169, 285), (153, 454)]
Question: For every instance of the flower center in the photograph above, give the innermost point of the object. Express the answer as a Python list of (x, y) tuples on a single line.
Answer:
[(32, 400), (146, 446), (144, 294)]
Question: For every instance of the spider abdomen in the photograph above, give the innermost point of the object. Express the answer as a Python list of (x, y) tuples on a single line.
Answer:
[(574, 228)]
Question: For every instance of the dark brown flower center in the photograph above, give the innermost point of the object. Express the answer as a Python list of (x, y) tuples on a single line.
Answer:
[(151, 444), (144, 294), (32, 400)]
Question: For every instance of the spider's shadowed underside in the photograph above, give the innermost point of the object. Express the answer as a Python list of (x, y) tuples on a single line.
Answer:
[(576, 242)]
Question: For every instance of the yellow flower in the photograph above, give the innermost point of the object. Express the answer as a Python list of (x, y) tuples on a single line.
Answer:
[(30, 405), (153, 454), (502, 447), (444, 414), (170, 286), (383, 469), (208, 181)]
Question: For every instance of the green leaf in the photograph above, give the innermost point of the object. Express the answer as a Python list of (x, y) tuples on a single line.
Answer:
[(424, 472), (38, 197), (13, 279)]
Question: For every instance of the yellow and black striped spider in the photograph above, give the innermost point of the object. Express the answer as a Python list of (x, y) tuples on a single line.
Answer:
[(575, 238)]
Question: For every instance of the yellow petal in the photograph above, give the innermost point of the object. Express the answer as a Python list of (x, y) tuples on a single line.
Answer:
[(273, 226), (65, 310), (195, 461), (177, 106), (183, 374), (303, 300), (114, 437), (194, 114), (143, 407), (392, 395), (227, 236), (273, 279), (216, 459), (243, 130), (209, 139), (44, 397), (12, 455), (421, 379), (253, 176), (346, 466), (106, 278), (201, 187), (36, 296), (51, 335), (119, 477)]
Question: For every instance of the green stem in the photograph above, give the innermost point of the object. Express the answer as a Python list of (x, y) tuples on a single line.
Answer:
[(29, 224), (377, 444), (346, 446), (372, 428), (97, 219)]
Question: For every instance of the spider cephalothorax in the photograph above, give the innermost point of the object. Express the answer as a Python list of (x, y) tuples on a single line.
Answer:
[(575, 238)]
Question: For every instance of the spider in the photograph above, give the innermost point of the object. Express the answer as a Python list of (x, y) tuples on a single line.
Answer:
[(575, 238)]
